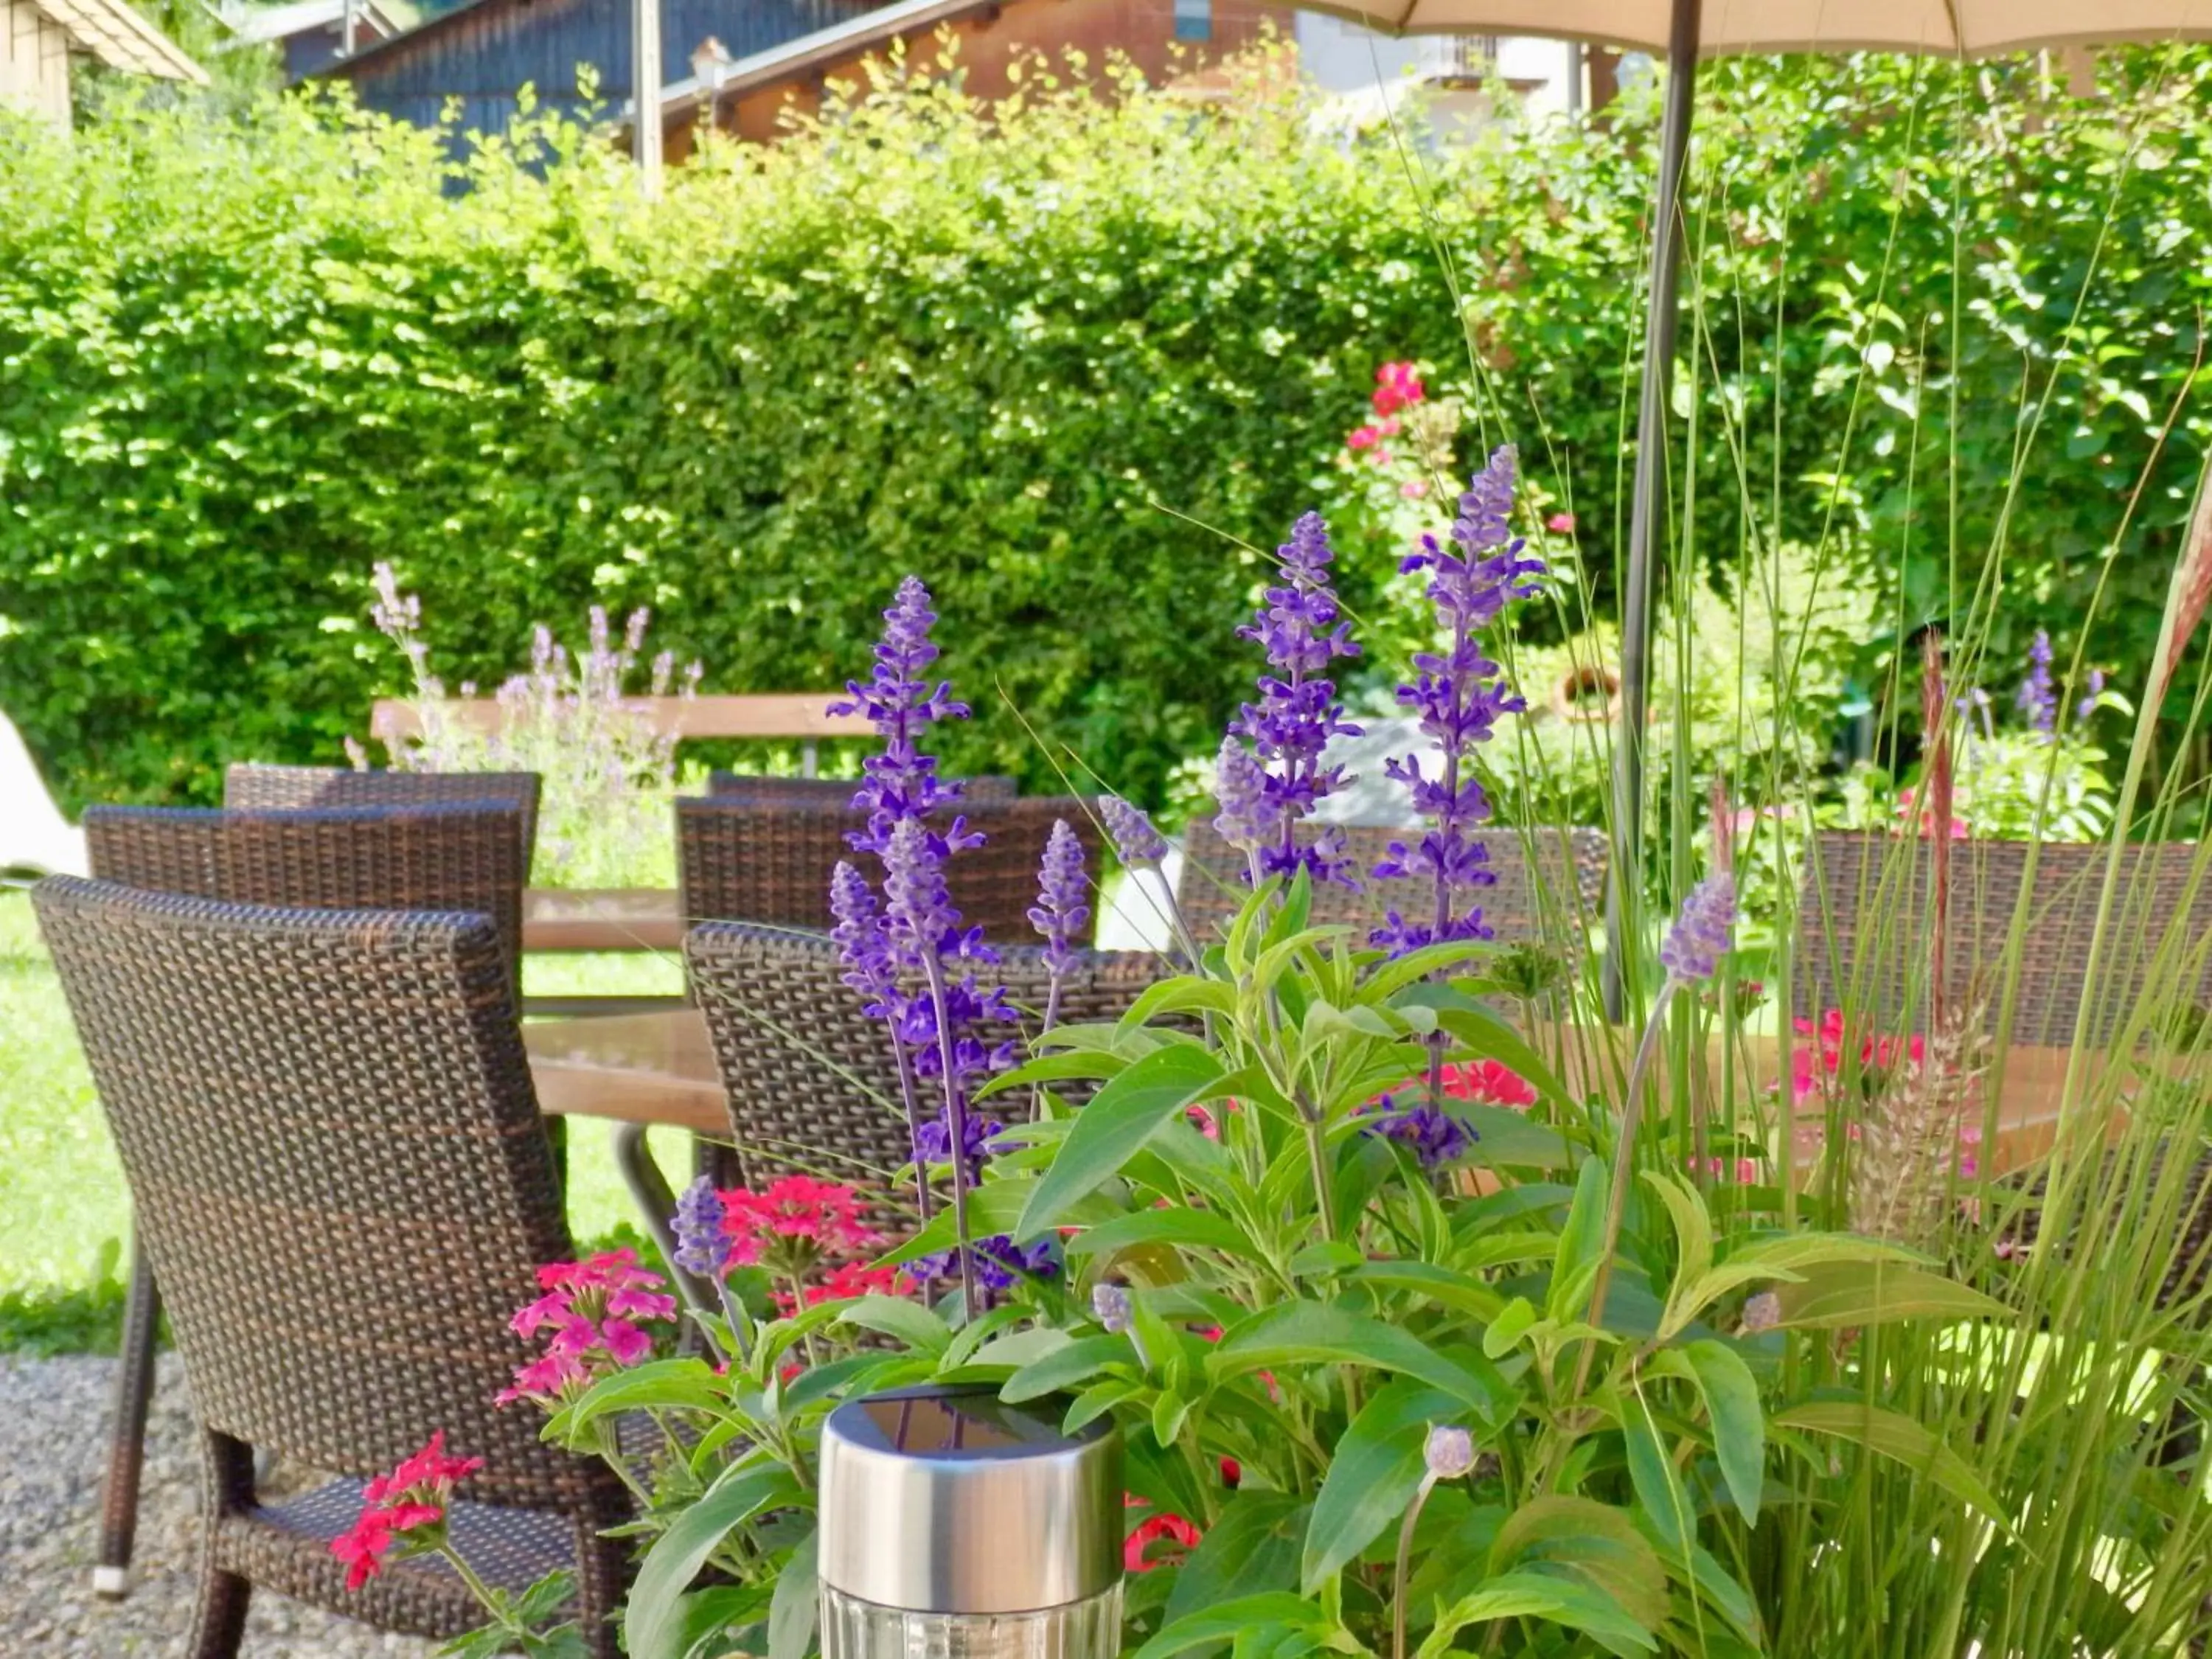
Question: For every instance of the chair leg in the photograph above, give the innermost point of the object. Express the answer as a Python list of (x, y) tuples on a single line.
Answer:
[(126, 1446), (226, 1487)]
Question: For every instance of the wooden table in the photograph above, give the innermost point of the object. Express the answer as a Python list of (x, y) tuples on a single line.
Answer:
[(568, 921)]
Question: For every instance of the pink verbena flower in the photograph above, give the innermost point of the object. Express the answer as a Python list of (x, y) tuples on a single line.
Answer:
[(1397, 385), (594, 1311), (410, 1500)]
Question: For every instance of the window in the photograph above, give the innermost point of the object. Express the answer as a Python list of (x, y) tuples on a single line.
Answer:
[(1193, 20)]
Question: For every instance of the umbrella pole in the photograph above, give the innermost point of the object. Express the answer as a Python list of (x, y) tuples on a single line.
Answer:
[(1624, 884)]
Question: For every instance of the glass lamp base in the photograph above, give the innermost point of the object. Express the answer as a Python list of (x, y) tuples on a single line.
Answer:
[(853, 1629)]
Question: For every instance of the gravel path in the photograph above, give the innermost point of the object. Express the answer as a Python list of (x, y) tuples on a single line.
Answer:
[(53, 1441)]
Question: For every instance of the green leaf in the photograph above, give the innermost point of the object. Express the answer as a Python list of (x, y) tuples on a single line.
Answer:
[(1508, 1140), (1839, 1294), (653, 1617), (1738, 1425), (1899, 1438), (660, 1384), (1693, 1232), (1657, 1489), (1251, 1548), (1534, 1595), (1069, 1363), (1373, 1474), (1310, 1333), (1184, 994), (1177, 1225), (1782, 1259), (902, 1318), (1506, 1330), (1120, 1118), (1484, 1034), (1056, 1068), (1226, 1620), (1575, 1265), (791, 1614), (1590, 1540)]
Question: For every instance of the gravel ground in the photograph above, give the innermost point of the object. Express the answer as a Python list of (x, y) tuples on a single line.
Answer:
[(53, 1440)]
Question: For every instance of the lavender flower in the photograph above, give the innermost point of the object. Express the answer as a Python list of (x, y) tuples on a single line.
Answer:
[(702, 1245), (1297, 712), (2036, 699), (1762, 1312), (1109, 1306), (1135, 841), (1247, 819), (862, 945), (1460, 698), (1449, 1453), (1062, 887), (1431, 1133), (1703, 932)]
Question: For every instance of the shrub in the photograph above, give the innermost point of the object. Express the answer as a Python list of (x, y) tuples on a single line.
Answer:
[(244, 356)]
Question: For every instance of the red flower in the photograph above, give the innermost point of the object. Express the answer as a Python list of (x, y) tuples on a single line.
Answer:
[(545, 1379), (1363, 437), (850, 1280), (799, 1206), (429, 1476), (593, 1309), (1875, 1054), (1491, 1082), (363, 1548), (1181, 1536), (1397, 385), (1560, 524)]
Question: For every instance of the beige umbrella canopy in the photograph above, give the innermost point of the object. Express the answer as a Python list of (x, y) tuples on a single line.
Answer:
[(1685, 31), (1971, 26)]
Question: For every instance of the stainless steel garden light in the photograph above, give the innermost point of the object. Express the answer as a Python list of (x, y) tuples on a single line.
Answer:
[(956, 1527)]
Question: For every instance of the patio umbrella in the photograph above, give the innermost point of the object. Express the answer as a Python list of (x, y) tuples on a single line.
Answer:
[(1685, 30)]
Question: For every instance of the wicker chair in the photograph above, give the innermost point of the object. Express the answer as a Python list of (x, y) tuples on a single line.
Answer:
[(1864, 930), (327, 1122), (254, 787), (809, 1079), (830, 794), (1550, 883), (461, 857), (771, 864)]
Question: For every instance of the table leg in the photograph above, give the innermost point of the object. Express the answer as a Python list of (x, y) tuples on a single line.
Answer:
[(656, 1204)]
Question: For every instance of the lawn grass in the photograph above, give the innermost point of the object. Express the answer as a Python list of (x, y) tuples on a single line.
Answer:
[(64, 1211)]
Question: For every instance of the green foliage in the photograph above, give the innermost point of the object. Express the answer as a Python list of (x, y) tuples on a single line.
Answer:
[(246, 352)]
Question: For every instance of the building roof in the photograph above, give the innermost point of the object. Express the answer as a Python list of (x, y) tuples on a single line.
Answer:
[(114, 33), (816, 50), (251, 24)]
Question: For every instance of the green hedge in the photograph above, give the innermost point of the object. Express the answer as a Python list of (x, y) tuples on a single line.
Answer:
[(241, 359)]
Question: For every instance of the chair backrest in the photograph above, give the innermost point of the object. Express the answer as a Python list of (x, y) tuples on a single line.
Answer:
[(811, 1082), (830, 794), (467, 857), (1550, 886), (339, 1171), (1864, 931), (252, 786), (742, 862)]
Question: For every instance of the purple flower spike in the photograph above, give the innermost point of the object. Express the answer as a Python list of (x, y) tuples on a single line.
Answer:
[(999, 1263), (1135, 841), (1063, 886), (702, 1245), (1433, 1134), (1460, 698), (899, 700), (2093, 690), (2036, 699), (932, 1142), (862, 945), (1704, 932), (1297, 712), (1246, 818)]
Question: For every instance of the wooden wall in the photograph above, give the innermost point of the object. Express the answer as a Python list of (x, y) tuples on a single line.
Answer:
[(33, 61)]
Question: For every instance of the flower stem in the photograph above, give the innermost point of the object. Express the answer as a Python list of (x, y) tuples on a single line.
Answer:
[(1623, 1170), (956, 1115), (495, 1605), (1401, 1571)]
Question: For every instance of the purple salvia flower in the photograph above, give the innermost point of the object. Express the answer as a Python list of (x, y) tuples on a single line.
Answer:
[(999, 1263), (702, 1245), (899, 700), (1703, 933), (862, 945), (2093, 690), (1246, 818), (2036, 699), (1427, 1130), (1297, 712), (1110, 1306), (1459, 699), (932, 1143), (1135, 841), (1063, 887)]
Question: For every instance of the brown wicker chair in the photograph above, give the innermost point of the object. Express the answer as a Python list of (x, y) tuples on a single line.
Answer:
[(465, 858), (1551, 883), (1864, 941), (771, 864), (830, 794), (327, 1122), (812, 1084), (252, 785)]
